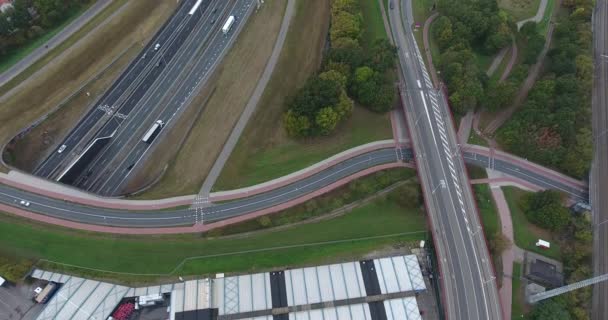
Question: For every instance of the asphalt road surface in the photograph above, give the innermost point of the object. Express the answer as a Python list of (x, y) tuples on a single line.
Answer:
[(161, 90), (599, 172), (115, 95), (468, 282)]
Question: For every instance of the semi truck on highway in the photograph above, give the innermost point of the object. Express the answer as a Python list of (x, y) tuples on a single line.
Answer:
[(153, 131), (228, 25)]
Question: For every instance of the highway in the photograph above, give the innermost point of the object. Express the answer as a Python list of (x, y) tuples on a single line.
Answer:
[(113, 168), (469, 289), (599, 172), (119, 90), (161, 90)]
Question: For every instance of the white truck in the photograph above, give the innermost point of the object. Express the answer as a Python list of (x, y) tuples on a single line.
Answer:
[(228, 25), (153, 131)]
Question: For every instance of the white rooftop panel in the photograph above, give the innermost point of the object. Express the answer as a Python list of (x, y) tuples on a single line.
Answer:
[(395, 310), (94, 300), (177, 297), (64, 278), (338, 281), (190, 295), (316, 314), (298, 287), (130, 292), (403, 276), (261, 318), (55, 277), (218, 295), (353, 280), (110, 302), (350, 312), (37, 273), (45, 275), (141, 291), (262, 298), (58, 300), (245, 293), (153, 290), (166, 288), (77, 299), (411, 308), (386, 275), (327, 283), (415, 274), (312, 285), (203, 294)]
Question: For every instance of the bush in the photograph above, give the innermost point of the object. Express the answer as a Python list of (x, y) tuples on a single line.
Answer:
[(545, 209)]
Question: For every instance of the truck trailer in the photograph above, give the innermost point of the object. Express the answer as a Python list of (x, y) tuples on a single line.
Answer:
[(153, 131), (228, 25)]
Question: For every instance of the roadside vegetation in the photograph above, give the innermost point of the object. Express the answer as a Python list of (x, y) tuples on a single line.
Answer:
[(380, 225), (352, 66), (466, 32), (542, 215), (265, 150), (519, 9), (28, 24), (339, 201), (518, 303), (553, 126)]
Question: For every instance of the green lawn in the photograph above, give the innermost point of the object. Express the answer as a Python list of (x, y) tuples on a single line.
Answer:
[(487, 210), (161, 254), (526, 234), (422, 10), (476, 172), (517, 295), (13, 56), (543, 25), (474, 138), (519, 9), (373, 24)]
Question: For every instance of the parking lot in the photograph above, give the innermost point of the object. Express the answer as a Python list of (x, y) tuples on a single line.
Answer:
[(16, 302)]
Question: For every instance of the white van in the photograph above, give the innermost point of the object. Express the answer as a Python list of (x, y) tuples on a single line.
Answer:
[(61, 148)]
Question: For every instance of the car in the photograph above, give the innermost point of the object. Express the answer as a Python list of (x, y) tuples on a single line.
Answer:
[(156, 47), (212, 21), (62, 148), (24, 203), (38, 290), (214, 10), (392, 5)]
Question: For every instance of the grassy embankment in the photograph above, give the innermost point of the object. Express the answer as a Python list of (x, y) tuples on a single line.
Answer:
[(11, 57), (159, 256), (264, 151), (194, 142), (526, 234), (517, 294)]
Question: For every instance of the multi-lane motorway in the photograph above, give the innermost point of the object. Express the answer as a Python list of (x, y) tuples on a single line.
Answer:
[(158, 85), (599, 172), (467, 275)]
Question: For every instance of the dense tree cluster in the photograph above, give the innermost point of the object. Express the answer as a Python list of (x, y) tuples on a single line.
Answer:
[(28, 19), (546, 210), (465, 26), (349, 70), (573, 231), (553, 126)]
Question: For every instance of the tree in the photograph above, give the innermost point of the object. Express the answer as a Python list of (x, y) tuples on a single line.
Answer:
[(536, 42), (345, 43), (549, 310), (346, 25), (546, 210), (344, 108), (499, 95), (351, 6), (578, 159), (382, 55), (326, 120), (334, 75), (296, 126)]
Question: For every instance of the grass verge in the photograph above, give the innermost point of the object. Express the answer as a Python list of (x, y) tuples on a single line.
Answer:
[(222, 101), (517, 294), (491, 224), (526, 234), (376, 225), (519, 9), (264, 151), (543, 25), (373, 24), (474, 138), (15, 55)]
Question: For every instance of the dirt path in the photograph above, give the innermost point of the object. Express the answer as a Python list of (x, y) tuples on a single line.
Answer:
[(539, 14), (509, 67), (497, 60), (503, 116), (427, 50)]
